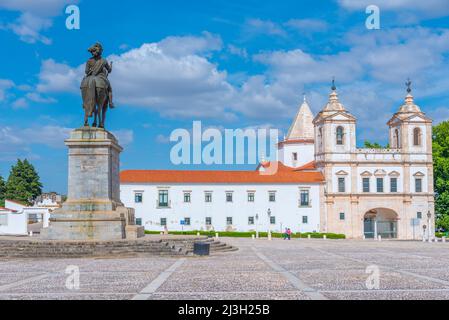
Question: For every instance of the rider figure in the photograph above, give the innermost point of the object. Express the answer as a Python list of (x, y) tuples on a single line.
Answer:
[(99, 68)]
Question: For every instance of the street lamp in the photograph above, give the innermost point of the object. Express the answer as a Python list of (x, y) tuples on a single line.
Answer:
[(257, 223), (269, 223), (429, 215)]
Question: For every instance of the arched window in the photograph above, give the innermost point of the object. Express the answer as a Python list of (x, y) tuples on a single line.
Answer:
[(340, 134), (417, 137), (396, 138), (320, 137)]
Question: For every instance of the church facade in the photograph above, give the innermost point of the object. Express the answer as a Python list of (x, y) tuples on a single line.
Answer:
[(322, 182)]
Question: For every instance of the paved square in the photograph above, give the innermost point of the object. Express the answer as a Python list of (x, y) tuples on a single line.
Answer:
[(261, 269)]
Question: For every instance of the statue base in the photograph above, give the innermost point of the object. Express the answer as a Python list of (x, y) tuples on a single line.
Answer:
[(93, 210)]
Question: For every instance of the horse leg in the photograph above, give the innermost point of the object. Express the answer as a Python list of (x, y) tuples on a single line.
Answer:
[(103, 114), (95, 117), (86, 119)]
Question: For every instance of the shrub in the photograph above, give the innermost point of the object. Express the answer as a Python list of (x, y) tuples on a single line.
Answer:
[(314, 235)]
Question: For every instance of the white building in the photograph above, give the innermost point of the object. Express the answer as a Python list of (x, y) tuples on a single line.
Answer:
[(322, 183)]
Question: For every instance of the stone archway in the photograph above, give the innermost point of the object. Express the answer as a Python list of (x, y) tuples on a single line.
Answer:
[(380, 221)]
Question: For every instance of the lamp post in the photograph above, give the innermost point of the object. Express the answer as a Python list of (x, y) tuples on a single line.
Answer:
[(429, 215), (269, 223), (424, 227), (257, 223)]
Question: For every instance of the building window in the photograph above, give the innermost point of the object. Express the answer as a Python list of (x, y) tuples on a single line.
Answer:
[(163, 198), (138, 197), (341, 185), (380, 184), (417, 137), (304, 198), (139, 221), (229, 221), (272, 220), (295, 156), (419, 215), (250, 220), (340, 135), (187, 197), (228, 196), (163, 222), (305, 219), (208, 197), (418, 185), (250, 196), (342, 216), (393, 184), (397, 139), (365, 184), (208, 221), (272, 196), (187, 221)]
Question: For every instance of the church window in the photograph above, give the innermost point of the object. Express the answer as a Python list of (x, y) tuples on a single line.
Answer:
[(396, 139), (163, 222), (208, 221), (341, 185), (251, 221), (417, 137), (272, 220), (418, 185), (365, 184), (340, 134), (228, 196), (380, 184), (229, 221), (305, 219), (342, 216), (187, 197), (393, 184), (295, 156), (208, 197), (272, 196), (305, 202), (250, 196)]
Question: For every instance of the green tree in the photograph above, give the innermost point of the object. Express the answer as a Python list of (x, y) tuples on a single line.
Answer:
[(440, 146), (23, 182), (2, 192), (374, 145)]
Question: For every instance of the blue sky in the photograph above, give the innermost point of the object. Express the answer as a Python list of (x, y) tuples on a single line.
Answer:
[(230, 64)]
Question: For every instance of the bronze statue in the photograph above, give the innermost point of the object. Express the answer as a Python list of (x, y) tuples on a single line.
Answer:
[(96, 89)]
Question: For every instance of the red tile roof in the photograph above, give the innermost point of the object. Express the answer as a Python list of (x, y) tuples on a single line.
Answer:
[(283, 174)]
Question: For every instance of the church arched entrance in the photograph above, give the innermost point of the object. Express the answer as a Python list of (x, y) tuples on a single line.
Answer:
[(380, 222)]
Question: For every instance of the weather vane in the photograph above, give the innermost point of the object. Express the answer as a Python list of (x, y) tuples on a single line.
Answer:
[(409, 85), (333, 84)]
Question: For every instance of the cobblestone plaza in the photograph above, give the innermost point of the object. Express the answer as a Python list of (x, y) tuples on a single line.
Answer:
[(260, 269)]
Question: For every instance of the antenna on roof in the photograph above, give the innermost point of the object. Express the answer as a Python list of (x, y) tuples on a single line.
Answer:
[(409, 85), (333, 84)]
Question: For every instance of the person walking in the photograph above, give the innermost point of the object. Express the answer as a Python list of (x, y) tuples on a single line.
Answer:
[(289, 234), (285, 235)]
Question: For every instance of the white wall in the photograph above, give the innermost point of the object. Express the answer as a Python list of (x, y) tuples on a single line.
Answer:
[(305, 154), (16, 223), (286, 207)]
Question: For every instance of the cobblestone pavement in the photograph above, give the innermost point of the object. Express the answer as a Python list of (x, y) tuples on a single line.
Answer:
[(261, 269)]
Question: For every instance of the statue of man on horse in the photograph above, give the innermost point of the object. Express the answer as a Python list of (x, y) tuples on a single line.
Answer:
[(96, 89)]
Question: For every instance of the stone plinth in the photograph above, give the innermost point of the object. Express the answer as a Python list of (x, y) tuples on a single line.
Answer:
[(93, 210)]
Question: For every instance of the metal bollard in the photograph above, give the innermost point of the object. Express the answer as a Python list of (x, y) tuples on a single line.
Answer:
[(379, 237), (309, 237), (253, 236), (324, 237), (269, 236), (364, 237), (216, 235), (197, 234)]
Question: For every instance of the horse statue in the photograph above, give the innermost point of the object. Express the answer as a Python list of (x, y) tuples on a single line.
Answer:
[(96, 89)]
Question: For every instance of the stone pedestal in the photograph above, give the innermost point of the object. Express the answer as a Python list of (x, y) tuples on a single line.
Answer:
[(93, 210)]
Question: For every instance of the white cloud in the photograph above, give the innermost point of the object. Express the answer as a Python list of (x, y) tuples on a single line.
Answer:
[(241, 52), (17, 142), (5, 85), (177, 82), (36, 17), (59, 77), (307, 25), (264, 27)]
